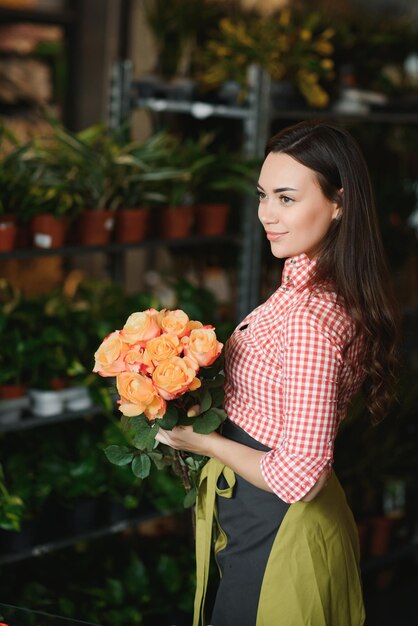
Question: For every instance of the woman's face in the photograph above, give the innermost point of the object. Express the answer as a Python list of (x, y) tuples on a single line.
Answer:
[(293, 210)]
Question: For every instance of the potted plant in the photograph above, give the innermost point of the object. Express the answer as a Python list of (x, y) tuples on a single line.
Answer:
[(143, 167), (11, 506), (216, 179), (56, 200), (177, 215), (7, 220), (291, 45), (50, 351), (16, 176), (213, 176), (37, 190), (178, 28), (87, 161), (14, 366)]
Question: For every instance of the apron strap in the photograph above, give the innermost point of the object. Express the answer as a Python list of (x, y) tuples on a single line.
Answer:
[(205, 515)]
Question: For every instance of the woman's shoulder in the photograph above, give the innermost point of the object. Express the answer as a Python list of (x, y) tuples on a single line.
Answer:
[(320, 311)]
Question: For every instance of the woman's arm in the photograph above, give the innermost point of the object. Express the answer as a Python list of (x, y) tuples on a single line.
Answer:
[(243, 460)]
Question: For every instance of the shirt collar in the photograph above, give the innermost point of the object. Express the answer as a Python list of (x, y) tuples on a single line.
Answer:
[(297, 271)]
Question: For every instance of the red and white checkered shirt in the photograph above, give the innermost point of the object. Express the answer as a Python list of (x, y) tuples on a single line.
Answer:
[(288, 383)]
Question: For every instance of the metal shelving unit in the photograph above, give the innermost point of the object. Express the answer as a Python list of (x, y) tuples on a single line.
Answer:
[(26, 422), (61, 17), (65, 542), (255, 117), (117, 248)]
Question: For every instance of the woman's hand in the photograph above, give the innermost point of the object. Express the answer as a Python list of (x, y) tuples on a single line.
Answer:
[(241, 459), (184, 438)]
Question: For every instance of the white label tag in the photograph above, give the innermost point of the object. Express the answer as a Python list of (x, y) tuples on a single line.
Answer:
[(109, 223), (42, 241)]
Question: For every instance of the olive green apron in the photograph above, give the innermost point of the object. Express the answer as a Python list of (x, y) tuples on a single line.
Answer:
[(312, 577)]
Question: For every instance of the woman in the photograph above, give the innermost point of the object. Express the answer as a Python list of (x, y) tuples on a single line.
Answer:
[(287, 543)]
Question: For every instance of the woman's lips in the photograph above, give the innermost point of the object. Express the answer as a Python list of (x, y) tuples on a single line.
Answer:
[(274, 236)]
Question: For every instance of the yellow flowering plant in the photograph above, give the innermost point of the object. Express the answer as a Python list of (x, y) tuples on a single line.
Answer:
[(168, 372), (289, 45)]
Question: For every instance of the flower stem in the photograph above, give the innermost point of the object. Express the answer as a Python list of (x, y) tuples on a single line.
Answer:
[(181, 467)]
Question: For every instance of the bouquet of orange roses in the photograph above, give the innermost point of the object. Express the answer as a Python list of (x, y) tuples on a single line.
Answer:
[(168, 372)]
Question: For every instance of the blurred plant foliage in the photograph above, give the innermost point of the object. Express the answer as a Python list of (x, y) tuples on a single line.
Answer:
[(291, 45)]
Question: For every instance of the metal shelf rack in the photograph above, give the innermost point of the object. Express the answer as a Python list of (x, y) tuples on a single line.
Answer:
[(255, 117)]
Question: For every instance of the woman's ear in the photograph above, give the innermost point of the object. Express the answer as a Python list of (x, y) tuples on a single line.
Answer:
[(338, 205)]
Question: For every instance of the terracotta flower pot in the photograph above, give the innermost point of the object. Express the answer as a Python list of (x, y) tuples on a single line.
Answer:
[(10, 392), (131, 224), (95, 227), (381, 532), (7, 233), (212, 218), (48, 231), (177, 222), (23, 235)]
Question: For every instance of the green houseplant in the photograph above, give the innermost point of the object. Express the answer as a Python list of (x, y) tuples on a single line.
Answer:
[(178, 28), (291, 45), (87, 158), (14, 337), (214, 177), (109, 174), (11, 507), (37, 190), (144, 168), (18, 175)]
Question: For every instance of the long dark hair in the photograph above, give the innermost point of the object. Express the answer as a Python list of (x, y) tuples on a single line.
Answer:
[(351, 255)]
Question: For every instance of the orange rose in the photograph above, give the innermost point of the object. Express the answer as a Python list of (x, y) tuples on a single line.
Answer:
[(192, 325), (202, 346), (133, 360), (174, 377), (160, 349), (174, 322), (109, 357), (156, 409), (141, 327), (136, 391)]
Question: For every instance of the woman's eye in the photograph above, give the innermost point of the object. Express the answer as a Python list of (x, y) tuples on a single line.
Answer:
[(260, 194), (286, 200)]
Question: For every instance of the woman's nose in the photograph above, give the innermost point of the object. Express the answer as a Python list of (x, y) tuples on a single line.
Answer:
[(267, 213)]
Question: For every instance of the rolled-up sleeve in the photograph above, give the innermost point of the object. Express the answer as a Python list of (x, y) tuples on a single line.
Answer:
[(311, 371)]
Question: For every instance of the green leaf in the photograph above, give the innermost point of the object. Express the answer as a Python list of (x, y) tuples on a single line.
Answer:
[(194, 463), (118, 455), (190, 498), (208, 422), (184, 420), (212, 370), (170, 418), (205, 401), (218, 396), (158, 459), (218, 381), (143, 433), (141, 466)]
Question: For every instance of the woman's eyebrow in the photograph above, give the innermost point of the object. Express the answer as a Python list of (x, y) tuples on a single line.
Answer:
[(279, 189)]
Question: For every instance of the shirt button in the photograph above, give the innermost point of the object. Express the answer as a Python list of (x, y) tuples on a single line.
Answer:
[(293, 261)]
